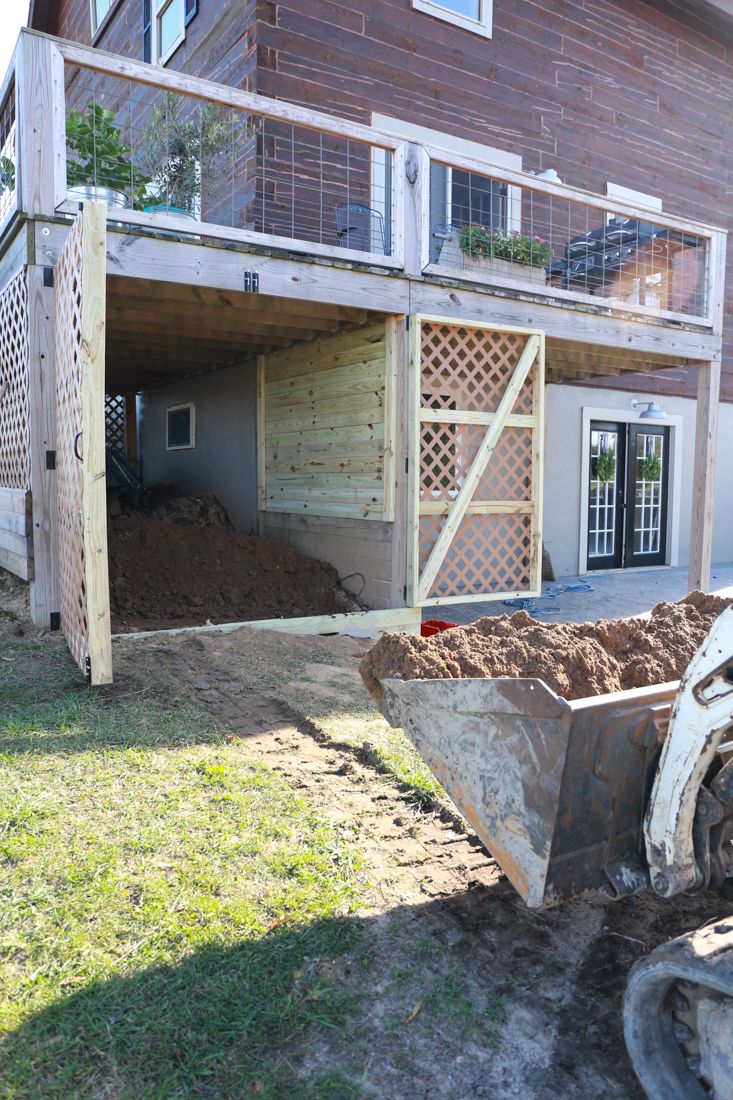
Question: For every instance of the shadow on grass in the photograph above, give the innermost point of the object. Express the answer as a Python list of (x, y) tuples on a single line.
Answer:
[(226, 1022)]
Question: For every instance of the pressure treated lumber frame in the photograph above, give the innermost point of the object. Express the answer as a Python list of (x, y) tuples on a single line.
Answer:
[(81, 460), (366, 624), (421, 579)]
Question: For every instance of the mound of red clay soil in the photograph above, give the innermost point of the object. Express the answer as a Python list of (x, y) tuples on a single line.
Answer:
[(574, 659), (171, 574)]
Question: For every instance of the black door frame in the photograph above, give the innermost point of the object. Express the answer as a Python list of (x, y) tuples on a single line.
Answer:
[(614, 560), (624, 556), (633, 560)]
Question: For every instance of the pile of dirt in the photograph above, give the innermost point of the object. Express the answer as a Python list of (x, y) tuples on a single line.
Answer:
[(166, 574), (574, 659)]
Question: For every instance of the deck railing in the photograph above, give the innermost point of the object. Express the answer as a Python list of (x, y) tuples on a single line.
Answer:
[(8, 150), (186, 156)]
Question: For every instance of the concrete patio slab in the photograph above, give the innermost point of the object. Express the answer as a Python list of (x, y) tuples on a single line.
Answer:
[(612, 595)]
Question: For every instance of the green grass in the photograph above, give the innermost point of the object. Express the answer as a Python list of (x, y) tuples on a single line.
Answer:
[(170, 910)]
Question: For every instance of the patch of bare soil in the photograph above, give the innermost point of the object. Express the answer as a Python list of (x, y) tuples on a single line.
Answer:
[(176, 572), (14, 614), (459, 990), (575, 660)]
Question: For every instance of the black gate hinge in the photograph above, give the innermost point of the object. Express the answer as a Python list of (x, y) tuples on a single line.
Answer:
[(48, 276), (55, 618), (407, 465), (407, 320), (50, 460), (404, 593)]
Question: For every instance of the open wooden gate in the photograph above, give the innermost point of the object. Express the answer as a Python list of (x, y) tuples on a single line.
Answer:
[(80, 455), (477, 396)]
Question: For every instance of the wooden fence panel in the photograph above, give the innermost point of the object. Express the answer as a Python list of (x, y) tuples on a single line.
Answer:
[(80, 443)]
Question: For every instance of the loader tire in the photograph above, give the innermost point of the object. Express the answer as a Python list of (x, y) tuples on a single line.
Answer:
[(678, 1017)]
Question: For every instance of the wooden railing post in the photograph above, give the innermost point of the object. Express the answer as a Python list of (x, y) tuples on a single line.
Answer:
[(703, 485), (416, 191), (44, 588), (41, 125)]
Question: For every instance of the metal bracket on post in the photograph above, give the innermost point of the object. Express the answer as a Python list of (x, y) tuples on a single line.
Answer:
[(251, 282), (55, 620), (50, 460), (48, 276)]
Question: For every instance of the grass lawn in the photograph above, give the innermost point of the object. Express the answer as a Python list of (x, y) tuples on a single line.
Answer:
[(167, 904)]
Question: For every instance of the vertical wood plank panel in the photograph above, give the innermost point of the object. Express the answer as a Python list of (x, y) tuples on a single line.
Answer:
[(44, 590), (703, 484), (96, 564)]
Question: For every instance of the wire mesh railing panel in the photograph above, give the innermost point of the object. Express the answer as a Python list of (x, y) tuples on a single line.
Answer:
[(170, 154), (15, 463), (8, 157), (489, 229)]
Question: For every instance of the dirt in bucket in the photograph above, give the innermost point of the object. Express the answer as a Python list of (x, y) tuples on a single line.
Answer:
[(574, 659), (166, 574)]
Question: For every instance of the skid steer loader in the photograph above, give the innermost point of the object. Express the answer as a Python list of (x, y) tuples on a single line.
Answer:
[(622, 793)]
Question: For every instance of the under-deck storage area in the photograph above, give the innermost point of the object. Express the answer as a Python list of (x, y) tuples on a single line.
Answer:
[(277, 412)]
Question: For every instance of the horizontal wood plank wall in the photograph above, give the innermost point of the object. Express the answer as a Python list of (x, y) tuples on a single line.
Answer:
[(352, 546), (324, 416), (16, 543)]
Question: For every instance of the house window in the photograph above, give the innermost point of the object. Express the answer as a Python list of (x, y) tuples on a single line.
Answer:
[(99, 11), (181, 430), (473, 15), (164, 27)]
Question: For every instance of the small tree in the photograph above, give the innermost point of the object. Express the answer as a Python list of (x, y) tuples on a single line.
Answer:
[(184, 144)]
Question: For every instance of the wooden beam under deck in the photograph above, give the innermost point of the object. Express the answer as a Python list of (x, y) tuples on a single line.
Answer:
[(210, 268)]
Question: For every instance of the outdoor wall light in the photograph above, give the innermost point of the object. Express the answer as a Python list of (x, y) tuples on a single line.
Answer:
[(653, 411)]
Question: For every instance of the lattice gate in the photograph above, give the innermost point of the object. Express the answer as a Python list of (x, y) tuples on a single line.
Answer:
[(80, 454), (15, 458), (477, 396)]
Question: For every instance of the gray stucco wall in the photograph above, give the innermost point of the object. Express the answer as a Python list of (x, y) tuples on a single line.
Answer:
[(563, 453), (224, 460)]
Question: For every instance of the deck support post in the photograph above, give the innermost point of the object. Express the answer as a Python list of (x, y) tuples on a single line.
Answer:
[(397, 355), (703, 485), (41, 125), (44, 590)]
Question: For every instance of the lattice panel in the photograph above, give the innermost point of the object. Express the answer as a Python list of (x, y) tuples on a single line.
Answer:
[(478, 522), (114, 421), (469, 368), (69, 424), (447, 452), (15, 461), (488, 554)]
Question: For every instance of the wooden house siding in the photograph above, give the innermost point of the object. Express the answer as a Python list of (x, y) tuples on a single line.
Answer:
[(620, 90)]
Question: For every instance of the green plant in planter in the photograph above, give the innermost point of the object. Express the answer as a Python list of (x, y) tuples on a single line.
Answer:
[(498, 244), (98, 156), (7, 174), (651, 468), (605, 466), (185, 143)]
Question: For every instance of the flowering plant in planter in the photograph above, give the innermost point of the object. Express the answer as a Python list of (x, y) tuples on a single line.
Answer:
[(498, 244)]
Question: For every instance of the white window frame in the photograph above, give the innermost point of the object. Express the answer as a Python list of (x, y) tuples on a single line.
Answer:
[(93, 15), (482, 25), (181, 446), (159, 8)]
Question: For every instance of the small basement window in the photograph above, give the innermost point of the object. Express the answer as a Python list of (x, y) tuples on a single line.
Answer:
[(181, 428), (473, 15)]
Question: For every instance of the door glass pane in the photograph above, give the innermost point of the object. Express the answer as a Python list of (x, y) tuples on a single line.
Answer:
[(648, 474), (602, 517)]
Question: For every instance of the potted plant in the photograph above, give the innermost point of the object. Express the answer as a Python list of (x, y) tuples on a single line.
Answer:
[(98, 164), (7, 174), (183, 145), (512, 254)]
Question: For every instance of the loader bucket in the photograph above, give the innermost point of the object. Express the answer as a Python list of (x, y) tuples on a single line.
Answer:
[(555, 790)]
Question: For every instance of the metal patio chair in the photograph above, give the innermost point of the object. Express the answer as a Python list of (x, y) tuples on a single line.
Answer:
[(360, 227)]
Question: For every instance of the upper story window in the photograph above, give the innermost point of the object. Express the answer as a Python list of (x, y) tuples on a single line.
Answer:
[(99, 12), (164, 27), (474, 15)]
